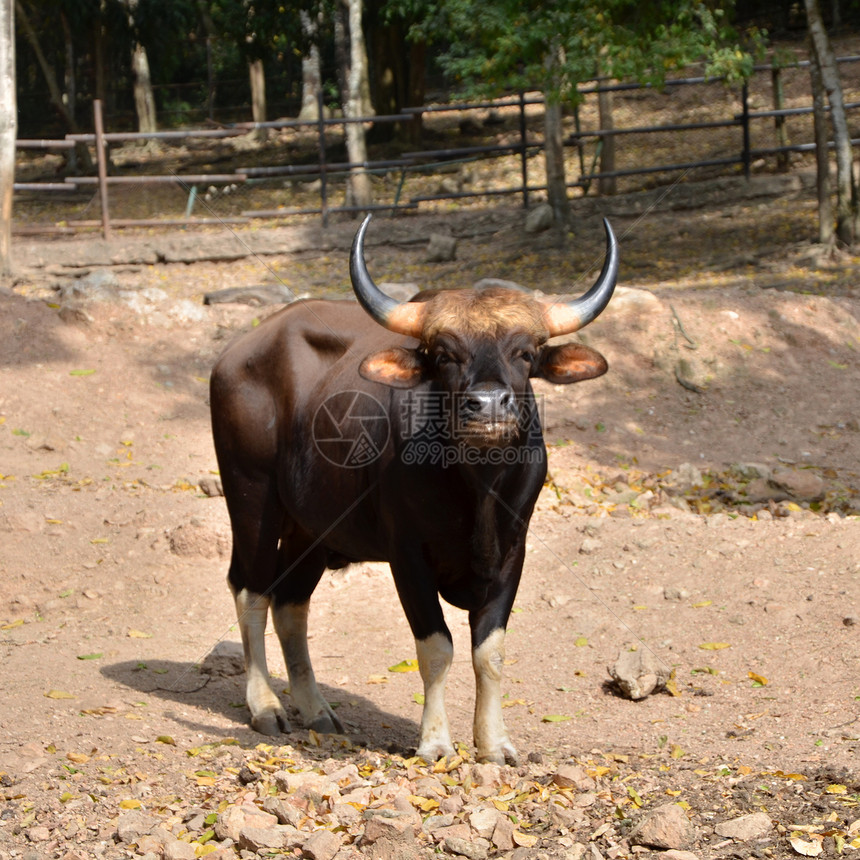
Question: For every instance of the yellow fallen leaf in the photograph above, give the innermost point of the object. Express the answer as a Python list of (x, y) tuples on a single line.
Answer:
[(701, 604), (835, 788), (377, 679), (758, 679), (139, 634), (12, 624), (524, 840), (425, 804), (58, 694), (77, 758), (404, 666), (129, 803), (509, 703), (714, 646)]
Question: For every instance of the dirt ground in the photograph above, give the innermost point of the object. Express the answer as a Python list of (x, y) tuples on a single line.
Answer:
[(702, 506)]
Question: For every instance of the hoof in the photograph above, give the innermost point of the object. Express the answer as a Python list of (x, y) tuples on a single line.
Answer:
[(434, 751), (327, 724), (271, 723), (506, 754)]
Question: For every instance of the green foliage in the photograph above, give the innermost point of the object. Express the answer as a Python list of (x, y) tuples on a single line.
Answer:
[(498, 45)]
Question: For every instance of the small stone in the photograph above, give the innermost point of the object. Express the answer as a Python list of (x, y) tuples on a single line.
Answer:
[(483, 820), (398, 827), (851, 620), (465, 848), (799, 484), (278, 838), (322, 845), (178, 850), (573, 776), (745, 828), (540, 218), (639, 673), (666, 826), (675, 854), (39, 833), (590, 545), (132, 825), (210, 486), (486, 774), (503, 834), (233, 819), (441, 248)]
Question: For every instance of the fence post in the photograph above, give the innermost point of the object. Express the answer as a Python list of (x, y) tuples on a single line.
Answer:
[(779, 121), (101, 161), (745, 122), (321, 136), (524, 161)]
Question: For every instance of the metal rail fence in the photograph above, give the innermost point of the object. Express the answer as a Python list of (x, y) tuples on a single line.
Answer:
[(699, 126)]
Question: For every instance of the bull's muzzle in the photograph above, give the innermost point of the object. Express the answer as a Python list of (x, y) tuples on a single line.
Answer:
[(488, 414)]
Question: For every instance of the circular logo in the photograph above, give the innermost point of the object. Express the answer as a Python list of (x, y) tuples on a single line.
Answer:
[(351, 429)]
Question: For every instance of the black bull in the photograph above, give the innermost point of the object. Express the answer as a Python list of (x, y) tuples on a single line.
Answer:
[(404, 433)]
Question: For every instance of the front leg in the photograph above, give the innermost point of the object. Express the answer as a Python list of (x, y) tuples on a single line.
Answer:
[(491, 737), (435, 654)]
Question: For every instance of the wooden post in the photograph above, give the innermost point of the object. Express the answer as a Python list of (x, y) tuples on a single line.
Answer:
[(101, 160), (8, 130), (779, 121), (524, 159)]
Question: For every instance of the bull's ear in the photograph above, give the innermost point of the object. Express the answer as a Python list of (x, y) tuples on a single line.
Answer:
[(570, 362), (397, 367)]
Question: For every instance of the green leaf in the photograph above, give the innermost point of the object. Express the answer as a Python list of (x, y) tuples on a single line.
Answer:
[(554, 718), (418, 698), (96, 656), (81, 372)]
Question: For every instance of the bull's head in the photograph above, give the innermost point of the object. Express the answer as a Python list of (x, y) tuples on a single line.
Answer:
[(482, 346)]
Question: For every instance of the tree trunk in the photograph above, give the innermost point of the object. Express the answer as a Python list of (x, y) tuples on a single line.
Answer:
[(361, 191), (144, 100), (82, 153), (311, 70), (846, 191), (8, 129), (826, 235), (257, 75), (556, 184), (607, 185)]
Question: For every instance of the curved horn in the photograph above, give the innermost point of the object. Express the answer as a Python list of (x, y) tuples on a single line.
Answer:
[(402, 317), (566, 317)]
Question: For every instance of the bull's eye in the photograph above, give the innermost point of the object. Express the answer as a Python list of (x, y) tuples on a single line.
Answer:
[(525, 355), (444, 358)]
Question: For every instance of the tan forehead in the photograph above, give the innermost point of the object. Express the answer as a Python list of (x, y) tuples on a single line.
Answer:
[(489, 313)]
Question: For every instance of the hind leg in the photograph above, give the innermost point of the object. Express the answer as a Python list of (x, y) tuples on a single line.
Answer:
[(267, 714), (302, 564)]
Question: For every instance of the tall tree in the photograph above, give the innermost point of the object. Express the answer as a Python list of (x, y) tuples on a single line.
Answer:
[(825, 61), (361, 190), (8, 129), (498, 45)]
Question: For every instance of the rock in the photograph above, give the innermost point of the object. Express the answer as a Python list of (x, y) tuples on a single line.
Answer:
[(800, 484), (310, 785), (486, 774), (259, 294), (211, 486), (441, 248), (675, 854), (590, 545), (745, 828), (178, 850), (465, 848), (196, 539), (495, 283), (670, 592), (539, 219), (401, 292), (322, 845), (503, 834), (666, 826), (39, 833), (573, 776), (686, 476), (234, 818), (132, 825), (851, 620), (386, 824), (225, 659), (484, 820), (639, 673), (286, 813), (691, 375)]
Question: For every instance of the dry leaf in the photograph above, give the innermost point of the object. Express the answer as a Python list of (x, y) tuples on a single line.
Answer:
[(58, 694), (404, 666), (758, 679), (714, 646), (139, 634), (807, 849), (524, 840)]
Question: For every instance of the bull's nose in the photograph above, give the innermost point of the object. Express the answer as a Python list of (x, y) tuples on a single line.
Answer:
[(490, 403)]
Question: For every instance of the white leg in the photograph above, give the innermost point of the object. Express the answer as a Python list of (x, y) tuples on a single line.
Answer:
[(267, 714), (291, 625), (491, 737), (435, 654)]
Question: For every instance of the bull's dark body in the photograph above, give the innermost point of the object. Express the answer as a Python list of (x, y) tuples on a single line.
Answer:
[(455, 530)]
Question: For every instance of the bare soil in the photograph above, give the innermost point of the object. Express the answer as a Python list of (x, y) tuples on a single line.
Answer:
[(732, 344)]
